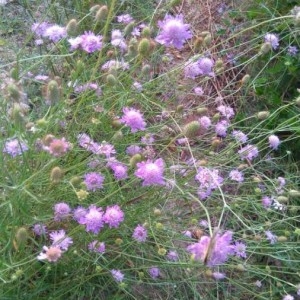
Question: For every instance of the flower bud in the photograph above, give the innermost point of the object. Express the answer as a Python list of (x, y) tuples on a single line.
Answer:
[(14, 73), (56, 175), (282, 199), (282, 239), (263, 115), (162, 251), (76, 181), (95, 8), (101, 13), (157, 212), (116, 123), (118, 241), (13, 92), (111, 80), (265, 48), (245, 79), (159, 226), (216, 142), (135, 159), (72, 27), (216, 117), (118, 136), (128, 29), (53, 92), (82, 194), (219, 63), (146, 70), (191, 129), (207, 40), (144, 47), (146, 32), (240, 267), (198, 44), (180, 108), (21, 238)]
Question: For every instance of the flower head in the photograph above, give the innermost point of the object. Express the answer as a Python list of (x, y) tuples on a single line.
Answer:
[(272, 238), (93, 220), (61, 211), (125, 19), (14, 147), (60, 239), (96, 246), (79, 213), (52, 254), (205, 65), (248, 152), (119, 169), (93, 181), (272, 39), (133, 119), (57, 147), (151, 172), (205, 122), (239, 136), (240, 249), (173, 32), (91, 42), (39, 229), (236, 175), (154, 272), (113, 216), (172, 255), (226, 111), (117, 275), (274, 141), (140, 233), (55, 33)]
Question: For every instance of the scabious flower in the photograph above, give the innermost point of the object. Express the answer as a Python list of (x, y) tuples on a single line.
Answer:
[(75, 42), (240, 249), (133, 149), (115, 64), (272, 238), (218, 275), (214, 252), (118, 40), (198, 91), (88, 86), (93, 219), (119, 169), (151, 172), (274, 141), (137, 86), (205, 122), (172, 255), (288, 297), (39, 229), (57, 147), (117, 275), (93, 181), (292, 50), (226, 111), (14, 147), (239, 136), (79, 213), (221, 128), (140, 233), (192, 70), (154, 272), (125, 19), (85, 141), (148, 139), (106, 149), (96, 246), (248, 152), (272, 39), (133, 119), (55, 33), (60, 239), (61, 211), (113, 216), (173, 32), (39, 28), (236, 175), (52, 254), (91, 42), (206, 64)]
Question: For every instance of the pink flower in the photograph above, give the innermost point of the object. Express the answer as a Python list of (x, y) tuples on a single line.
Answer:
[(52, 254), (274, 141), (93, 220), (151, 172), (236, 175), (119, 169), (140, 233), (93, 181), (173, 32), (57, 147), (91, 42), (133, 119), (113, 216)]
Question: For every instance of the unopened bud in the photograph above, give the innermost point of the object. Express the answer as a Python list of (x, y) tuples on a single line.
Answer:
[(111, 80), (191, 129), (72, 27), (53, 92), (265, 48), (135, 159), (118, 241), (118, 136), (216, 117), (21, 237), (282, 239), (14, 73), (128, 29), (294, 193), (56, 175), (95, 8), (82, 194), (180, 108), (76, 181), (219, 63), (13, 91), (198, 44), (48, 139), (240, 268), (101, 13), (146, 32), (263, 115), (245, 79), (116, 123), (207, 40), (162, 251), (202, 110), (216, 143), (144, 47), (146, 69), (282, 199), (159, 226), (157, 212)]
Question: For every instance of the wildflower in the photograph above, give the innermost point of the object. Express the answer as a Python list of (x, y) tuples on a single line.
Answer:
[(274, 141), (140, 233), (118, 40), (60, 239), (151, 172), (137, 86), (272, 238), (39, 229), (236, 175), (205, 122), (187, 233), (75, 42), (57, 147), (226, 111), (14, 147), (292, 50), (266, 201), (119, 169), (218, 275), (39, 28), (93, 219), (61, 211), (172, 255), (239, 136), (272, 39), (91, 42), (84, 141), (106, 149), (125, 19), (148, 139), (221, 128), (154, 272), (173, 32), (198, 91), (258, 283), (213, 252), (79, 213), (41, 77), (96, 246), (206, 64), (192, 70), (248, 152), (133, 149), (288, 297), (117, 275), (113, 216), (115, 64), (93, 181), (240, 249), (133, 118), (52, 254), (55, 33)]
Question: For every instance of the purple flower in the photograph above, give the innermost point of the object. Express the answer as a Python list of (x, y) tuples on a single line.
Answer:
[(248, 152), (239, 136), (240, 249), (119, 169), (218, 275), (106, 149), (117, 275), (288, 297), (115, 64), (154, 272), (133, 149), (192, 70), (93, 181), (137, 86), (93, 220), (173, 32), (272, 39), (213, 251), (57, 147), (172, 255), (140, 233), (60, 239), (14, 147), (75, 42), (272, 238), (125, 19), (39, 229), (39, 28), (187, 233), (206, 64), (274, 141), (118, 40), (292, 50), (226, 111), (151, 172), (79, 213), (266, 201), (113, 216), (236, 175), (96, 246), (133, 119), (91, 42), (55, 33), (221, 128), (205, 122), (148, 139), (198, 91), (61, 211)]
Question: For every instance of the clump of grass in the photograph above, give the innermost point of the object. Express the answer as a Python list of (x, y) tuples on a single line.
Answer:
[(127, 172)]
